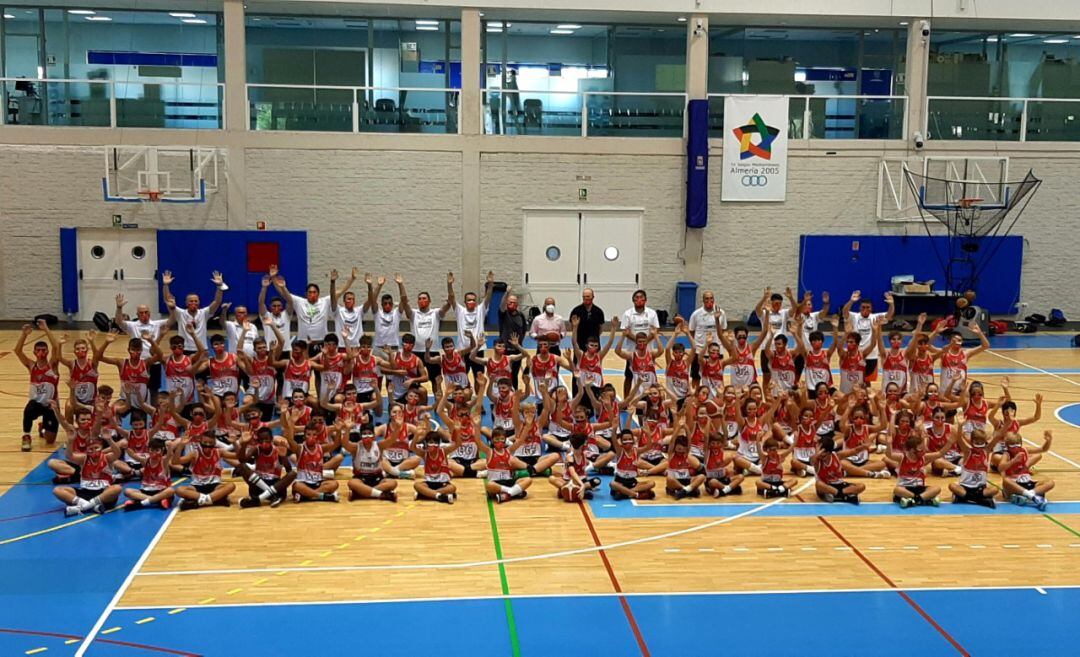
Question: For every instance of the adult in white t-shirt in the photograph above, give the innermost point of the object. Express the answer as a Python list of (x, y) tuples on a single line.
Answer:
[(424, 323), (348, 317), (235, 328), (470, 318), (278, 313), (191, 313), (387, 316), (312, 311), (703, 321), (140, 325), (862, 322), (811, 320), (776, 316), (639, 318)]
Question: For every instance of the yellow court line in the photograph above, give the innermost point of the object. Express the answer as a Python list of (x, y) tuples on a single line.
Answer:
[(112, 629), (173, 612), (144, 621), (36, 651)]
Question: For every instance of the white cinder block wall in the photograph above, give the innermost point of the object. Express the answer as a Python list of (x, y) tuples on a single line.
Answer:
[(388, 211)]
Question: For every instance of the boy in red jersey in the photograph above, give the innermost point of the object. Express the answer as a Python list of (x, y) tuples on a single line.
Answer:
[(180, 369), (436, 484), (44, 380), (452, 362), (206, 487), (156, 489), (573, 485), (311, 483), (501, 484), (134, 370), (1016, 469), (830, 485), (625, 485), (911, 488), (974, 486), (683, 479), (772, 482), (720, 478), (272, 474), (677, 372), (96, 491)]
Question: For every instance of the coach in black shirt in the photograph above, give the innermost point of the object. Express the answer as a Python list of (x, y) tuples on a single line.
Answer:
[(590, 319), (512, 324)]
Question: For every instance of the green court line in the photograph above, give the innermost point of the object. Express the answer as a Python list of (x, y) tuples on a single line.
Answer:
[(514, 644), (1058, 523)]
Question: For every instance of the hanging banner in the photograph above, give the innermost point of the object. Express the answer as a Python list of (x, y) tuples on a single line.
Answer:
[(755, 148)]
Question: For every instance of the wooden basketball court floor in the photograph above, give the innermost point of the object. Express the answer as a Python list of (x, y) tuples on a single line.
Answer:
[(542, 577)]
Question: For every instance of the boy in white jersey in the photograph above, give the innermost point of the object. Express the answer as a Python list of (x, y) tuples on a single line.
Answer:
[(424, 321), (348, 317), (470, 319), (387, 316), (370, 467)]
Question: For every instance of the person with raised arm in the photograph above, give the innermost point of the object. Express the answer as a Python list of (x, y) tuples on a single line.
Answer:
[(192, 313), (44, 384), (425, 319)]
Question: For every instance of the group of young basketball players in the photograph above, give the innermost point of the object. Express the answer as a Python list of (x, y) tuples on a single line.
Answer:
[(247, 402)]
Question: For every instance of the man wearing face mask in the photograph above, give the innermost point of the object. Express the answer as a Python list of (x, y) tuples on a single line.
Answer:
[(512, 325), (549, 326)]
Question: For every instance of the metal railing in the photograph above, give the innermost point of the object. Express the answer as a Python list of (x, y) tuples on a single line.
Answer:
[(329, 108), (583, 113), (832, 116), (110, 103), (1003, 118)]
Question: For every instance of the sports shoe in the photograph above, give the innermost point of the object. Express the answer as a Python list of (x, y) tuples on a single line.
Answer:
[(1040, 502), (501, 497), (936, 502), (405, 474), (165, 503), (132, 505), (906, 502), (988, 503), (694, 493), (881, 474), (187, 505), (248, 502), (829, 498), (223, 501), (715, 492), (27, 443), (852, 499), (276, 499), (389, 496), (647, 495), (1018, 500), (72, 511), (678, 493)]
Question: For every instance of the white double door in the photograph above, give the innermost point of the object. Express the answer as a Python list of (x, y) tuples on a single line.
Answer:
[(114, 261), (568, 251)]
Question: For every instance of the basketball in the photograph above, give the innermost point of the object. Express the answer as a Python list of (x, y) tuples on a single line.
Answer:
[(553, 337), (970, 295), (962, 303), (570, 493)]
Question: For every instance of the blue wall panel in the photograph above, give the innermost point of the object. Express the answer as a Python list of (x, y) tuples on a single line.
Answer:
[(69, 270), (829, 262), (192, 255)]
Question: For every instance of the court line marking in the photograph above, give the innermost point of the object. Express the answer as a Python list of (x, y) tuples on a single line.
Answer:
[(490, 562), (642, 646), (907, 598), (531, 596), (508, 607), (126, 583)]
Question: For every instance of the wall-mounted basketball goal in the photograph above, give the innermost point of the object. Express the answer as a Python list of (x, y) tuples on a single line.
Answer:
[(165, 174)]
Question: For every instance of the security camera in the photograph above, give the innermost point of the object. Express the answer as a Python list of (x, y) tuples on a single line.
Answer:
[(919, 141), (924, 28)]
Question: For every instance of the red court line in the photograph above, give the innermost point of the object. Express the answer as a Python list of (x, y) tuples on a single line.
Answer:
[(885, 578), (615, 583), (127, 644), (30, 515)]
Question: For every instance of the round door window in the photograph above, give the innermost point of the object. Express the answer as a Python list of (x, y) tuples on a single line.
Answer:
[(611, 253), (553, 253), (138, 252), (97, 251)]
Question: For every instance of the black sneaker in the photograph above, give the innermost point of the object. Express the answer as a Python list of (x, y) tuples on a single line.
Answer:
[(389, 496), (249, 502), (132, 505), (276, 500)]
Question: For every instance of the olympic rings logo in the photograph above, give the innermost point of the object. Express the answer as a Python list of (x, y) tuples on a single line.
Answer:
[(755, 181)]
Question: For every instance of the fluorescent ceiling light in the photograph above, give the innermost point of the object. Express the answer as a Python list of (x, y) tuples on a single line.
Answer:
[(194, 21), (181, 14), (427, 22), (568, 26), (98, 18), (8, 16), (1055, 40), (82, 12), (497, 24), (494, 30), (560, 31), (428, 28), (903, 22), (991, 39), (681, 19), (1021, 35)]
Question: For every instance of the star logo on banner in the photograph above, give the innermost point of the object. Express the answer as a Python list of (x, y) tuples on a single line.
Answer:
[(766, 134)]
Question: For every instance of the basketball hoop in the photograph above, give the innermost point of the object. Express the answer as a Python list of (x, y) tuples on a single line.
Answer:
[(969, 209), (149, 195)]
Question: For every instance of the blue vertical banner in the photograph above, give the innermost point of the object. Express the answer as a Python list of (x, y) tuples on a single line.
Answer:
[(697, 163)]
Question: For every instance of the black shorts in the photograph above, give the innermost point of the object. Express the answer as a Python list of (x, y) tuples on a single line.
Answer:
[(839, 486), (764, 362), (150, 492), (464, 462), (436, 485), (629, 482), (528, 460), (433, 369), (474, 367), (724, 481), (88, 493), (695, 370), (371, 480), (974, 492), (205, 489), (1030, 484), (683, 481), (653, 460), (365, 397), (917, 491), (871, 367), (503, 482)]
